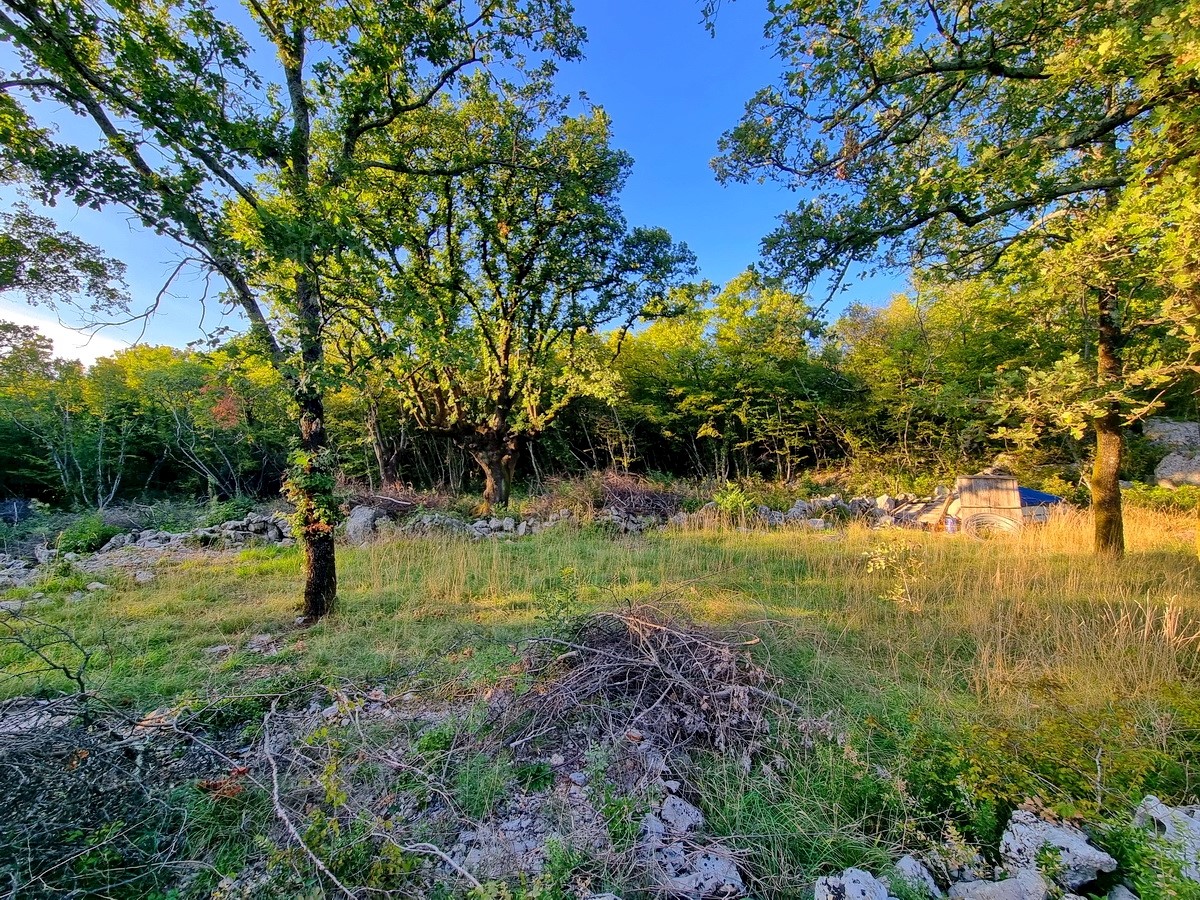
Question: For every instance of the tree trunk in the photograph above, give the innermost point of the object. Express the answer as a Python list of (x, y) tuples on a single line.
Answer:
[(311, 482), (498, 459), (386, 455), (1106, 470)]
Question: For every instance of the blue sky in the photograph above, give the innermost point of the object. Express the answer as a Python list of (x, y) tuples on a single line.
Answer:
[(671, 90)]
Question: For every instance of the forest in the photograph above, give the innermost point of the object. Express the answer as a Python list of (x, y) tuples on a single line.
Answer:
[(489, 548)]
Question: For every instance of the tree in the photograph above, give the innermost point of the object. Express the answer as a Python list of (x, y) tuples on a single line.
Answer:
[(241, 148), (963, 137), (49, 265), (503, 278)]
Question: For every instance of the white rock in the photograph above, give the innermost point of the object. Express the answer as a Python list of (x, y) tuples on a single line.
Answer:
[(915, 872), (1026, 835), (853, 884), (1178, 825), (680, 816), (1178, 469), (1026, 885), (97, 586), (709, 875), (360, 524)]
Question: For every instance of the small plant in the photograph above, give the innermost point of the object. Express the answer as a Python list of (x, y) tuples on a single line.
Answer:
[(904, 564), (481, 782), (86, 535), (733, 500), (1152, 865), (558, 604)]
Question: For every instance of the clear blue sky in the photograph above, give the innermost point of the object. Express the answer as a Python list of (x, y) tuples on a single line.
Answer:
[(670, 89)]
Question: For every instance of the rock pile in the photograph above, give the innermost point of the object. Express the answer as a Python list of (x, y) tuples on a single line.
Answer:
[(366, 523), (256, 528), (1039, 859), (1181, 465), (678, 864), (13, 572)]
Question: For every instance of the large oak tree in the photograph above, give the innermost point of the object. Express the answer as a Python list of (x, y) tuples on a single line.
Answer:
[(961, 137), (245, 147)]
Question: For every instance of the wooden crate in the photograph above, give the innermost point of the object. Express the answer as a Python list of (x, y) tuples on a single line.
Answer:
[(995, 494)]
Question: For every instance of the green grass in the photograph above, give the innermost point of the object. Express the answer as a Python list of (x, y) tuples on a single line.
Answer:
[(1017, 667)]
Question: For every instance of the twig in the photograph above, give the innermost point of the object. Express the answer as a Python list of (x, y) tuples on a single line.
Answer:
[(282, 814)]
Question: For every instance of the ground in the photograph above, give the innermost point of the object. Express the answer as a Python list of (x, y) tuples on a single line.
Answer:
[(920, 685)]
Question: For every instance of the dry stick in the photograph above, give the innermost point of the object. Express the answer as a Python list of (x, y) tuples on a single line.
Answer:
[(431, 850), (282, 814)]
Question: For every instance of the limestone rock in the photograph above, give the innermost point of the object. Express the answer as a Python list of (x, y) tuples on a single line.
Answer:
[(679, 816), (1178, 825), (1178, 469), (360, 524), (708, 875), (852, 884), (1026, 835), (915, 872), (1026, 885)]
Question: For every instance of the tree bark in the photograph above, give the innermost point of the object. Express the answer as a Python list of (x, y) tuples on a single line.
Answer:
[(1105, 482), (312, 486), (498, 459), (387, 456)]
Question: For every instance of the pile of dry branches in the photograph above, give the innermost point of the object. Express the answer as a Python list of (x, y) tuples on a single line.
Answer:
[(635, 497), (635, 673)]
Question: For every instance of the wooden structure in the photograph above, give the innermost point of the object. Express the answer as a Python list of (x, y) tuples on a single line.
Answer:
[(989, 502)]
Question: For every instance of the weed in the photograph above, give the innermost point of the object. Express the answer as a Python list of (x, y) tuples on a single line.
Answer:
[(481, 782), (86, 535)]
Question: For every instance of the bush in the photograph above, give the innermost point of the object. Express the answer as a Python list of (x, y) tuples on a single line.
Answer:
[(220, 512), (86, 535), (1164, 499)]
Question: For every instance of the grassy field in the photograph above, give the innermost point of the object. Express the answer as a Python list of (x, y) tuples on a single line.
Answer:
[(961, 677)]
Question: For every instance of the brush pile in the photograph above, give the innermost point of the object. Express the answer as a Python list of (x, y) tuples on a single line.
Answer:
[(635, 674)]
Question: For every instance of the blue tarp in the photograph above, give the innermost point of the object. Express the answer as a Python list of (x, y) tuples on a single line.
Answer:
[(1030, 497)]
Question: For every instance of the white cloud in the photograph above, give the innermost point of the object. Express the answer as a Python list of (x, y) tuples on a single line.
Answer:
[(68, 343)]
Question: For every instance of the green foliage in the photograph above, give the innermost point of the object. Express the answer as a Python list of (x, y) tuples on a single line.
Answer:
[(1150, 864), (558, 604), (1185, 498), (733, 500), (481, 782), (86, 535)]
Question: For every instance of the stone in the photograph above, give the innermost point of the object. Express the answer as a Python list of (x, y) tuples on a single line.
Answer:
[(360, 524), (1120, 892), (708, 875), (579, 778), (13, 607), (1027, 835), (852, 884), (522, 529), (44, 554), (1183, 436), (1178, 825), (1178, 469), (219, 649), (653, 832), (1026, 885), (679, 816), (261, 643), (97, 586), (509, 524), (916, 873), (143, 576)]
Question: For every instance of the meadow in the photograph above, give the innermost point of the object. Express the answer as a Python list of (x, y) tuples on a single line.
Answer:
[(959, 678)]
